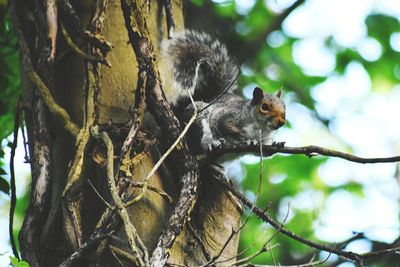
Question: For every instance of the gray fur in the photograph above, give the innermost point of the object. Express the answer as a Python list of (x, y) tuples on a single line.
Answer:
[(217, 70), (233, 119)]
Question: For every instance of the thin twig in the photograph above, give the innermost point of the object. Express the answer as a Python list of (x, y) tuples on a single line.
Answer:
[(123, 253), (246, 249), (200, 241), (136, 244), (83, 249), (380, 252), (162, 193), (266, 218), (224, 91), (13, 195), (100, 196), (158, 106), (263, 248), (234, 232), (212, 260), (265, 243), (79, 52), (177, 141), (245, 261), (161, 160), (254, 43), (309, 264), (23, 131), (116, 257), (96, 39), (139, 108)]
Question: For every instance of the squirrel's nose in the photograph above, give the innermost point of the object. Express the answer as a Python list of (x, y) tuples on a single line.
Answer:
[(279, 122)]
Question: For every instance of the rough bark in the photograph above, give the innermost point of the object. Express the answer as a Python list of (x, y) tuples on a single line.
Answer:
[(216, 212)]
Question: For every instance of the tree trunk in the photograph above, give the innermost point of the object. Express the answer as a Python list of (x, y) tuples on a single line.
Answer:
[(64, 217)]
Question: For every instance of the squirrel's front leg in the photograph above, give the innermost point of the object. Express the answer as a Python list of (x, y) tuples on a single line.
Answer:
[(208, 140)]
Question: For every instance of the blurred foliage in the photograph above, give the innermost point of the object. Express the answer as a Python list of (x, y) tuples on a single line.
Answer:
[(9, 85), (17, 263), (9, 91), (266, 58)]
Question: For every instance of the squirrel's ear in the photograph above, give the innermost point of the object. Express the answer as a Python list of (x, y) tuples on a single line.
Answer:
[(279, 93), (257, 96)]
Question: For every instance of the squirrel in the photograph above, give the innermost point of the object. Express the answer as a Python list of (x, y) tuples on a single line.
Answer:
[(202, 68)]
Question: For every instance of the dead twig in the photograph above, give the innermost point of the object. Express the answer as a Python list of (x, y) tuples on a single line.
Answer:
[(79, 52), (162, 193), (266, 218), (136, 244)]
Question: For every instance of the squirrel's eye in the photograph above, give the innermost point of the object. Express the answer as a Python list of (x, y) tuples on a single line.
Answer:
[(264, 107)]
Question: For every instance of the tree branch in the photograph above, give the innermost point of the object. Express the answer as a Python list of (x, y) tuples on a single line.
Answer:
[(254, 43), (266, 218), (135, 242), (309, 151), (78, 254), (39, 83), (351, 256), (41, 163), (143, 49)]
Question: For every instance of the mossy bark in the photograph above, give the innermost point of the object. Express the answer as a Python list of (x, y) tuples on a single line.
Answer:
[(216, 212)]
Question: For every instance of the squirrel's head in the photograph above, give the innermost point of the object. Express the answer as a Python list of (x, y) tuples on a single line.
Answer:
[(269, 106)]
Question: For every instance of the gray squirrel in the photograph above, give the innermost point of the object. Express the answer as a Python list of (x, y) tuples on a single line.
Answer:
[(202, 68)]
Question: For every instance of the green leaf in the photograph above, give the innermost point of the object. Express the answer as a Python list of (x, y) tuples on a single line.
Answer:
[(226, 9), (198, 2), (4, 185), (381, 27), (17, 263)]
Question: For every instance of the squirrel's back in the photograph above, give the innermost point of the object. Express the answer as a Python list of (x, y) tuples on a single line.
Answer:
[(181, 55)]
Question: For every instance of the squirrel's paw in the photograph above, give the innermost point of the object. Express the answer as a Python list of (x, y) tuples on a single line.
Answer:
[(278, 144), (252, 142), (216, 144)]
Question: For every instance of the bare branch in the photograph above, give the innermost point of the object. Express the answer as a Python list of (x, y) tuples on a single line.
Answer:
[(139, 38), (79, 52), (100, 196), (254, 43), (136, 244), (78, 254), (96, 39), (169, 17), (245, 261), (309, 151), (162, 193), (266, 218), (41, 165)]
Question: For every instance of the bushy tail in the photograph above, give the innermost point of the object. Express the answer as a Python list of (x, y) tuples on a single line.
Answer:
[(216, 71)]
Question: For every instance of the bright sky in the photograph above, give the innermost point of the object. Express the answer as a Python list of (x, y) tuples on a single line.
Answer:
[(364, 120)]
